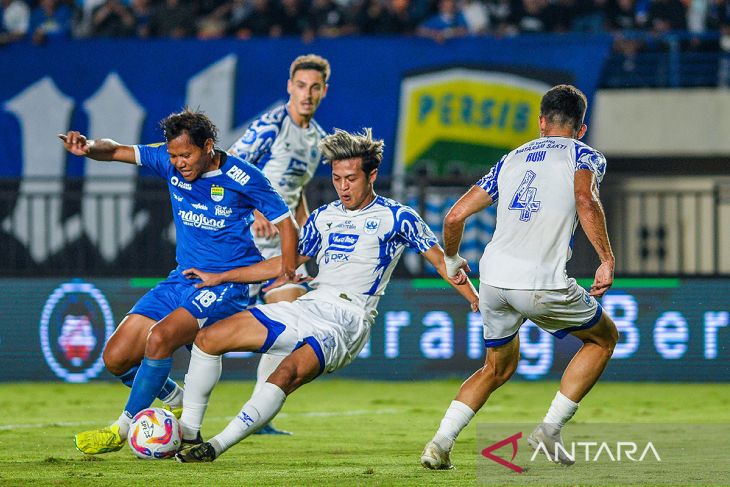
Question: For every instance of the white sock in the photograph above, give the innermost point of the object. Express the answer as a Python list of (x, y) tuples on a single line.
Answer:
[(124, 423), (456, 418), (560, 412), (175, 398), (203, 374), (267, 365), (263, 405)]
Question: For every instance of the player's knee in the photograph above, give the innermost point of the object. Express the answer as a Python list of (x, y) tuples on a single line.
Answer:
[(206, 342), (159, 343), (286, 377), (117, 361), (499, 373)]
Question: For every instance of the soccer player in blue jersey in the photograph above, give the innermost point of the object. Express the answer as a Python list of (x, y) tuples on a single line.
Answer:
[(283, 143), (357, 242), (213, 196)]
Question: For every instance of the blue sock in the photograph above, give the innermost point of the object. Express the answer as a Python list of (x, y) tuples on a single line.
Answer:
[(127, 379), (151, 376)]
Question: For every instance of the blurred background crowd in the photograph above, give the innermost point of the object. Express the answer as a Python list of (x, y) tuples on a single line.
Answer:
[(43, 20)]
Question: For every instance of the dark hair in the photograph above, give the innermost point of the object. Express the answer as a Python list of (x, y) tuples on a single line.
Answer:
[(341, 145), (564, 105), (197, 125), (310, 61)]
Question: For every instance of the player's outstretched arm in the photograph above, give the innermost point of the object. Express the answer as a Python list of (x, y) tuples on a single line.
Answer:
[(263, 271), (98, 149), (593, 220), (474, 200), (435, 255), (289, 235)]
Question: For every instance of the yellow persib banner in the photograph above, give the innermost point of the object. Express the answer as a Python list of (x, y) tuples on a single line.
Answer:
[(456, 111)]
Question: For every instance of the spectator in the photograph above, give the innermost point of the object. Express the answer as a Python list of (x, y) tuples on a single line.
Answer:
[(142, 12), (15, 21), (292, 19), (590, 16), (399, 18), (112, 19), (622, 16), (666, 15), (260, 21), (476, 16), (173, 19), (50, 20), (500, 17), (328, 19), (370, 17), (530, 16), (448, 23)]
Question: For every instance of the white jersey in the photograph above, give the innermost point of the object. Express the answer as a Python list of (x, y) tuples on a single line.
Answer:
[(356, 251), (287, 154), (536, 213)]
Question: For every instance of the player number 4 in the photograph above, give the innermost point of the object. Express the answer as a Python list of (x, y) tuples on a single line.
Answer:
[(524, 198)]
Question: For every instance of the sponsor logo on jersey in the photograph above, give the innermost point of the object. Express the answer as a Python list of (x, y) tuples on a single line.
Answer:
[(175, 181), (342, 242), (372, 225), (238, 175), (177, 197), (346, 225), (76, 322), (200, 206), (217, 193), (197, 220), (222, 210)]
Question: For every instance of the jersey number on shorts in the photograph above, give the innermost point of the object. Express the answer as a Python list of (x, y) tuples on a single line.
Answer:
[(206, 298), (524, 198)]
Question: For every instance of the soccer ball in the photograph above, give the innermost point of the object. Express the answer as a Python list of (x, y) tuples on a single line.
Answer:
[(154, 434)]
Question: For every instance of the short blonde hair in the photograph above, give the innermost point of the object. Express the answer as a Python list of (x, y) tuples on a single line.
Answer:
[(310, 61), (342, 145)]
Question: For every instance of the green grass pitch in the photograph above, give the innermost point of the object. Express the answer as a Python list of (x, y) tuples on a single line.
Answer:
[(346, 432)]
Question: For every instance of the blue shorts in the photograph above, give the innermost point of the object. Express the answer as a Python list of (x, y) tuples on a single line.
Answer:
[(208, 304)]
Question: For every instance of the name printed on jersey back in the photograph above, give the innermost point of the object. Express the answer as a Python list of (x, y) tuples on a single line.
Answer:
[(541, 144)]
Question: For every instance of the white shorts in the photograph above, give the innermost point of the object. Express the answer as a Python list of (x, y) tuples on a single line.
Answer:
[(271, 247), (557, 311), (336, 334)]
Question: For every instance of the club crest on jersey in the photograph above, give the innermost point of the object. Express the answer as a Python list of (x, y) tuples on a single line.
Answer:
[(372, 225), (217, 193), (76, 322)]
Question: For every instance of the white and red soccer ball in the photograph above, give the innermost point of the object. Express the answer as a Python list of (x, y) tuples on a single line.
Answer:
[(154, 434)]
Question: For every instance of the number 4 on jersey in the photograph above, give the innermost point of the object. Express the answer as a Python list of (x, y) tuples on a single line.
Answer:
[(524, 199)]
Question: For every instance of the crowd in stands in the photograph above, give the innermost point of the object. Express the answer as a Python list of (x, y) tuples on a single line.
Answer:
[(43, 20)]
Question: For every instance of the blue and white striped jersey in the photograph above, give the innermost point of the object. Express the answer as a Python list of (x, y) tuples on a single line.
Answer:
[(287, 153), (536, 213), (356, 251), (213, 214)]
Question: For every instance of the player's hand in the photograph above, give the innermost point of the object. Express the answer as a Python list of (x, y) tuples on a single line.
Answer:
[(283, 279), (262, 227), (208, 279), (456, 268), (75, 143), (474, 305), (603, 280)]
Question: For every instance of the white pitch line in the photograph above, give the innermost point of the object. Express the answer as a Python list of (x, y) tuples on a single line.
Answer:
[(311, 414)]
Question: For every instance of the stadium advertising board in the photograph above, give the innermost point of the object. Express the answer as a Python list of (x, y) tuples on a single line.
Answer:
[(671, 330)]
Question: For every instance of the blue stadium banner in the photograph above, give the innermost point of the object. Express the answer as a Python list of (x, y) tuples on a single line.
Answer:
[(671, 330)]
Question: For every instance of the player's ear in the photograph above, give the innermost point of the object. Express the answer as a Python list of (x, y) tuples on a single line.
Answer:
[(325, 90), (289, 86), (373, 175), (581, 131)]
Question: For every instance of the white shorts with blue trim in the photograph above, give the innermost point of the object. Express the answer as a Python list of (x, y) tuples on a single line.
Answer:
[(337, 334), (557, 311)]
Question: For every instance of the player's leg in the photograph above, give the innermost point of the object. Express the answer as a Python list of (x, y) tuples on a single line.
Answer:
[(269, 362), (302, 366), (500, 364), (166, 336), (579, 377), (240, 332), (124, 351), (501, 324)]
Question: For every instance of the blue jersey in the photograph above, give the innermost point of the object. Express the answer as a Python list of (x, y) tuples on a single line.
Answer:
[(213, 214)]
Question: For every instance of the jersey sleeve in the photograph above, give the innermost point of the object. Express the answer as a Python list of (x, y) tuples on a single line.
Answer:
[(310, 241), (489, 181), (591, 159), (256, 142), (154, 157), (413, 230), (262, 196)]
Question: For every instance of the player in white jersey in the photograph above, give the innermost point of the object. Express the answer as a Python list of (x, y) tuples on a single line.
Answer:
[(357, 242), (284, 144), (544, 188)]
